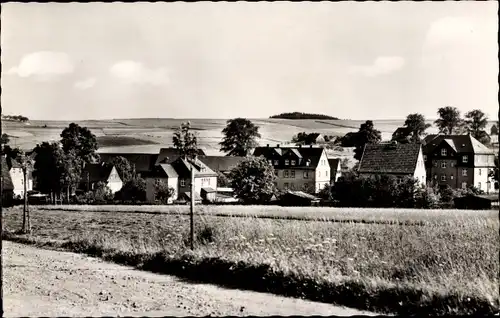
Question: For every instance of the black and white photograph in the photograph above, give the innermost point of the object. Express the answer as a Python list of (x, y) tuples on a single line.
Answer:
[(249, 159)]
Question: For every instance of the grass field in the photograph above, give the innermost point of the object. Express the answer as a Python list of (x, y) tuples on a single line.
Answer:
[(158, 132), (447, 264)]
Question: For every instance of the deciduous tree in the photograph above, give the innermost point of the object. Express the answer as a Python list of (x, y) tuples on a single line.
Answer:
[(240, 136), (124, 168), (253, 180), (417, 126), (81, 140), (186, 141), (367, 134), (475, 123), (449, 121)]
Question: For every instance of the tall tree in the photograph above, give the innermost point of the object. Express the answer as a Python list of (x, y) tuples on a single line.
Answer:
[(367, 134), (303, 138), (81, 140), (186, 141), (253, 180), (417, 125), (49, 168), (71, 172), (124, 168), (240, 136), (449, 121), (475, 123), (4, 139)]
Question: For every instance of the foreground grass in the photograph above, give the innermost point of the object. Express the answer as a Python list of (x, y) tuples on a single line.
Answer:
[(355, 215), (439, 268)]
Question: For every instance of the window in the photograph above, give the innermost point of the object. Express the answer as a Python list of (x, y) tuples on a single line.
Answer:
[(425, 157), (479, 171), (293, 162), (327, 173), (287, 162), (319, 173), (286, 173), (443, 152), (479, 185), (183, 183), (443, 164), (435, 164), (443, 177), (452, 164), (465, 159), (276, 162), (451, 177), (292, 186), (464, 172), (292, 174), (270, 162), (285, 185), (22, 181), (464, 185), (305, 186), (306, 174), (435, 176)]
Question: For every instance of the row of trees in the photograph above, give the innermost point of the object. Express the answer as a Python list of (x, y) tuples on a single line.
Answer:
[(19, 118)]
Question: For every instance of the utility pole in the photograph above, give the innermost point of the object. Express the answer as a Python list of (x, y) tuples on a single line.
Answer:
[(191, 214)]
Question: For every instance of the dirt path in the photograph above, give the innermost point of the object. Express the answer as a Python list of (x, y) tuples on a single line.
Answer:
[(40, 282)]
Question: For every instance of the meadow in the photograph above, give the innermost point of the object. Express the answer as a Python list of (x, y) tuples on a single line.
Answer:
[(448, 264)]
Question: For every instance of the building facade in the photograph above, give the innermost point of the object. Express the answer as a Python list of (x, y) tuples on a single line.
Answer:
[(398, 160), (459, 161), (298, 168)]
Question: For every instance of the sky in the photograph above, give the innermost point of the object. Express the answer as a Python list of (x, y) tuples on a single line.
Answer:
[(352, 60)]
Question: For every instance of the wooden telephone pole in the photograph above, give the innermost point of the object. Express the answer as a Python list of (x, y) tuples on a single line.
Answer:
[(191, 214)]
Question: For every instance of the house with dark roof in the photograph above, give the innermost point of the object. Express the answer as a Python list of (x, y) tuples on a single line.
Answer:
[(141, 162), (12, 172), (169, 155), (223, 164), (459, 161), (392, 158), (177, 175), (335, 170), (100, 172), (298, 168)]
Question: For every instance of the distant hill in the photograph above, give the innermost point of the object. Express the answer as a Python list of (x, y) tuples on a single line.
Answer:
[(298, 115), (18, 118)]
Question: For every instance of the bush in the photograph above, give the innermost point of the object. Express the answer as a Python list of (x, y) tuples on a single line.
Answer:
[(163, 192), (427, 198), (100, 195), (133, 190)]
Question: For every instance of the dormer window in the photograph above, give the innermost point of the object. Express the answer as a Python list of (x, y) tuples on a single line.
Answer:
[(293, 162), (443, 152), (465, 159), (270, 162), (276, 162), (287, 162)]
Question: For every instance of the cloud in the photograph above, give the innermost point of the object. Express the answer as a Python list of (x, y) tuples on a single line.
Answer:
[(135, 72), (43, 65), (381, 65), (450, 30), (85, 84)]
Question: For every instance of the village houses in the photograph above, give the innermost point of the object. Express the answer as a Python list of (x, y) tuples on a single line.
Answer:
[(13, 178), (396, 159), (459, 161), (101, 172), (298, 168)]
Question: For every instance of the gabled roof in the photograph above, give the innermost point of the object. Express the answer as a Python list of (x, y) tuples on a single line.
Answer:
[(402, 130), (334, 165), (221, 163), (143, 162), (169, 155), (389, 158), (97, 172), (461, 143), (307, 153), (183, 168), (168, 170), (7, 184)]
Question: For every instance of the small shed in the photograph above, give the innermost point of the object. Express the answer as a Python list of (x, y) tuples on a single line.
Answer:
[(186, 196), (476, 202), (299, 198), (208, 194)]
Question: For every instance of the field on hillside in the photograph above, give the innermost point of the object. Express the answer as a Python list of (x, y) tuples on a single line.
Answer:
[(149, 135), (450, 253)]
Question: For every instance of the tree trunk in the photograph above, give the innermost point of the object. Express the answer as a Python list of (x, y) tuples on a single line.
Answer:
[(67, 194)]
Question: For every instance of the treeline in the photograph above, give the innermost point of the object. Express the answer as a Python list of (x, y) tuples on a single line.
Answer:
[(19, 118), (299, 115)]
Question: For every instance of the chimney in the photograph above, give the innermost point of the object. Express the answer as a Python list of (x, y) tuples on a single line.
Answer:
[(300, 146), (310, 146), (278, 145), (267, 145)]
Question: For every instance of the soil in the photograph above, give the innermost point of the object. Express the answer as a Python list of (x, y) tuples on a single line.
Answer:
[(39, 282)]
